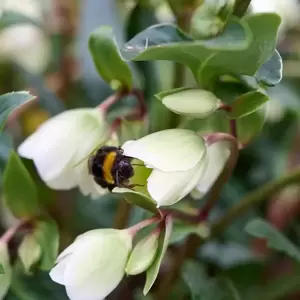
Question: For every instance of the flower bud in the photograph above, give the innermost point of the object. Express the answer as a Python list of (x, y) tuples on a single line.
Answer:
[(143, 254)]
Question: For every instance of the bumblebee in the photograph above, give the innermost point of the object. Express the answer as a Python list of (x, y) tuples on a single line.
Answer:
[(111, 168)]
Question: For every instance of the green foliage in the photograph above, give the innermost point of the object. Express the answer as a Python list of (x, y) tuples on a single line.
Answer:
[(247, 104), (275, 239), (11, 101), (47, 236), (107, 60), (1, 270), (22, 199), (163, 242)]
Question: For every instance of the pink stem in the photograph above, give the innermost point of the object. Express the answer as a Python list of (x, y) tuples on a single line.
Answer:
[(9, 234), (137, 227), (224, 176)]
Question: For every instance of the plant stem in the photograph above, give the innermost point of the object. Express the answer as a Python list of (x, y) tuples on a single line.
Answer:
[(137, 227), (9, 233), (255, 198), (241, 7)]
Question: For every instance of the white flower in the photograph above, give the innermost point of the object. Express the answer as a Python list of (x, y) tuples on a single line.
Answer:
[(61, 146), (179, 159), (17, 40), (94, 264)]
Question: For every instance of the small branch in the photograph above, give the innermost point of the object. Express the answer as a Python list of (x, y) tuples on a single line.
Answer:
[(224, 176), (111, 100), (10, 233), (241, 7), (255, 198)]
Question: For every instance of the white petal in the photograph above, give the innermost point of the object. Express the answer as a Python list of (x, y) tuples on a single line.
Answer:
[(168, 150), (96, 267), (168, 188), (218, 155), (57, 274)]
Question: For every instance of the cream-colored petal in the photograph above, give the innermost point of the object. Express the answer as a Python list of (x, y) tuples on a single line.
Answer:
[(96, 267), (57, 274), (168, 150), (217, 154), (167, 188)]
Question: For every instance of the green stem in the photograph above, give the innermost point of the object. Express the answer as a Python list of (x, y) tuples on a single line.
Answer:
[(255, 198), (241, 7)]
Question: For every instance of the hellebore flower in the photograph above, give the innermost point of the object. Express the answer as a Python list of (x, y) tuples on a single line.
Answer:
[(176, 162), (61, 146), (94, 264)]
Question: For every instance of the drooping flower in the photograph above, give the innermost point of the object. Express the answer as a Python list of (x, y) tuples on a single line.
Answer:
[(176, 162), (60, 148), (94, 264)]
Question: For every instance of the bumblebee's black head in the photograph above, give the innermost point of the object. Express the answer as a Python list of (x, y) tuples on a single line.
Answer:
[(110, 167)]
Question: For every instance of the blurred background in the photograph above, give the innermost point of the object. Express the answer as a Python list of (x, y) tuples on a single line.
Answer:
[(45, 50)]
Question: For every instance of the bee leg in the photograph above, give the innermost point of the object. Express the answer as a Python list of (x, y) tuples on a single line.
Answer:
[(131, 186)]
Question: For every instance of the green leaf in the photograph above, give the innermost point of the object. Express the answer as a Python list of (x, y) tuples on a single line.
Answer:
[(1, 270), (276, 240), (167, 42), (29, 252), (11, 18), (163, 242), (190, 102), (247, 104), (270, 73), (137, 198), (246, 61), (47, 236), (19, 189), (250, 126), (108, 62), (11, 101)]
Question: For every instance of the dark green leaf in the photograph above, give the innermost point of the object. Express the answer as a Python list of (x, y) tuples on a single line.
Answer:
[(250, 126), (11, 18), (107, 59), (246, 61), (167, 42), (270, 73), (11, 101), (19, 189), (276, 240), (163, 243), (47, 236), (247, 104)]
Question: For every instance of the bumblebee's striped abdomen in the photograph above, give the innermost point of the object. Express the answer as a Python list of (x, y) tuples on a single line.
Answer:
[(108, 164)]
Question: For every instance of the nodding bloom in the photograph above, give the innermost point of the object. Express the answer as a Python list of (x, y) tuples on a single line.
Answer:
[(93, 266), (61, 146)]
